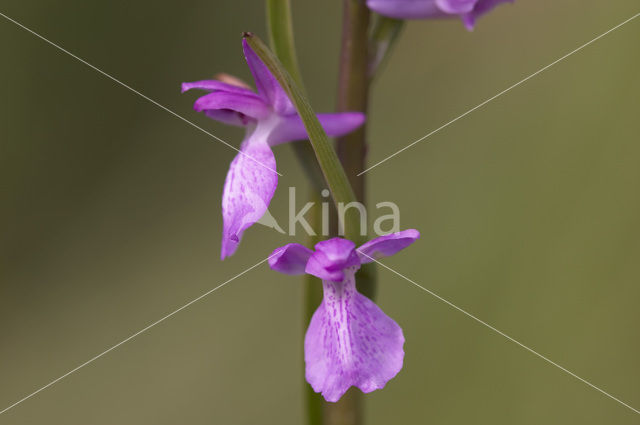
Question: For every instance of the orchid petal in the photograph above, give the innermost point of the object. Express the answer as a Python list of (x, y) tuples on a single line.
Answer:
[(267, 85), (215, 85), (406, 9), (315, 267), (456, 6), (290, 259), (247, 104), (386, 246), (482, 7), (337, 251), (469, 10), (291, 127), (350, 342), (248, 189), (228, 116), (330, 259)]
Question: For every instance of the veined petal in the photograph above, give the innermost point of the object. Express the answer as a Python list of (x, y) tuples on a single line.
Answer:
[(350, 342), (482, 7), (386, 246), (248, 189), (290, 259), (330, 259), (291, 128), (406, 9), (247, 104), (267, 85)]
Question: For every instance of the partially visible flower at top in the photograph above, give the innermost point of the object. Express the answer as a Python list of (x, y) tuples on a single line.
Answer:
[(350, 341), (468, 10), (270, 119)]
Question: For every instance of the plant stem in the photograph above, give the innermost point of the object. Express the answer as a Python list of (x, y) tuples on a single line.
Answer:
[(353, 89), (281, 38), (312, 299), (353, 94), (359, 61), (280, 25)]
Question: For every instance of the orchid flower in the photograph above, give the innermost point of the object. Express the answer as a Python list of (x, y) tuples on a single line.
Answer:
[(270, 119), (350, 341), (468, 10)]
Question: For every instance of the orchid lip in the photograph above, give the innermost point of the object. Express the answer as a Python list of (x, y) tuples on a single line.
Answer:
[(350, 341)]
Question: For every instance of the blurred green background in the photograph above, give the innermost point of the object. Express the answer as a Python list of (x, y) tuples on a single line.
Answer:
[(529, 210)]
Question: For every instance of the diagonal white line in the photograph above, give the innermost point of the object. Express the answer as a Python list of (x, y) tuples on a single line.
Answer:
[(91, 360), (499, 94), (482, 322), (137, 92)]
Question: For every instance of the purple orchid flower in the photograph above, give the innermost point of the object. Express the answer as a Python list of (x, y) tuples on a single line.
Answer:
[(468, 10), (270, 119), (350, 341)]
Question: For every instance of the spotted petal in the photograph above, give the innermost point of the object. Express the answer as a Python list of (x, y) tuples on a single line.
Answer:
[(350, 342), (248, 189)]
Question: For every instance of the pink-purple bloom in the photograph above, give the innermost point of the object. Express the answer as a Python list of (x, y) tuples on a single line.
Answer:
[(270, 119), (350, 341), (468, 10)]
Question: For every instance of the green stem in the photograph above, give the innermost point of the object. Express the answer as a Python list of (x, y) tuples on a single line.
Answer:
[(279, 23), (280, 26), (360, 59), (353, 94), (313, 297), (281, 38), (353, 88)]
